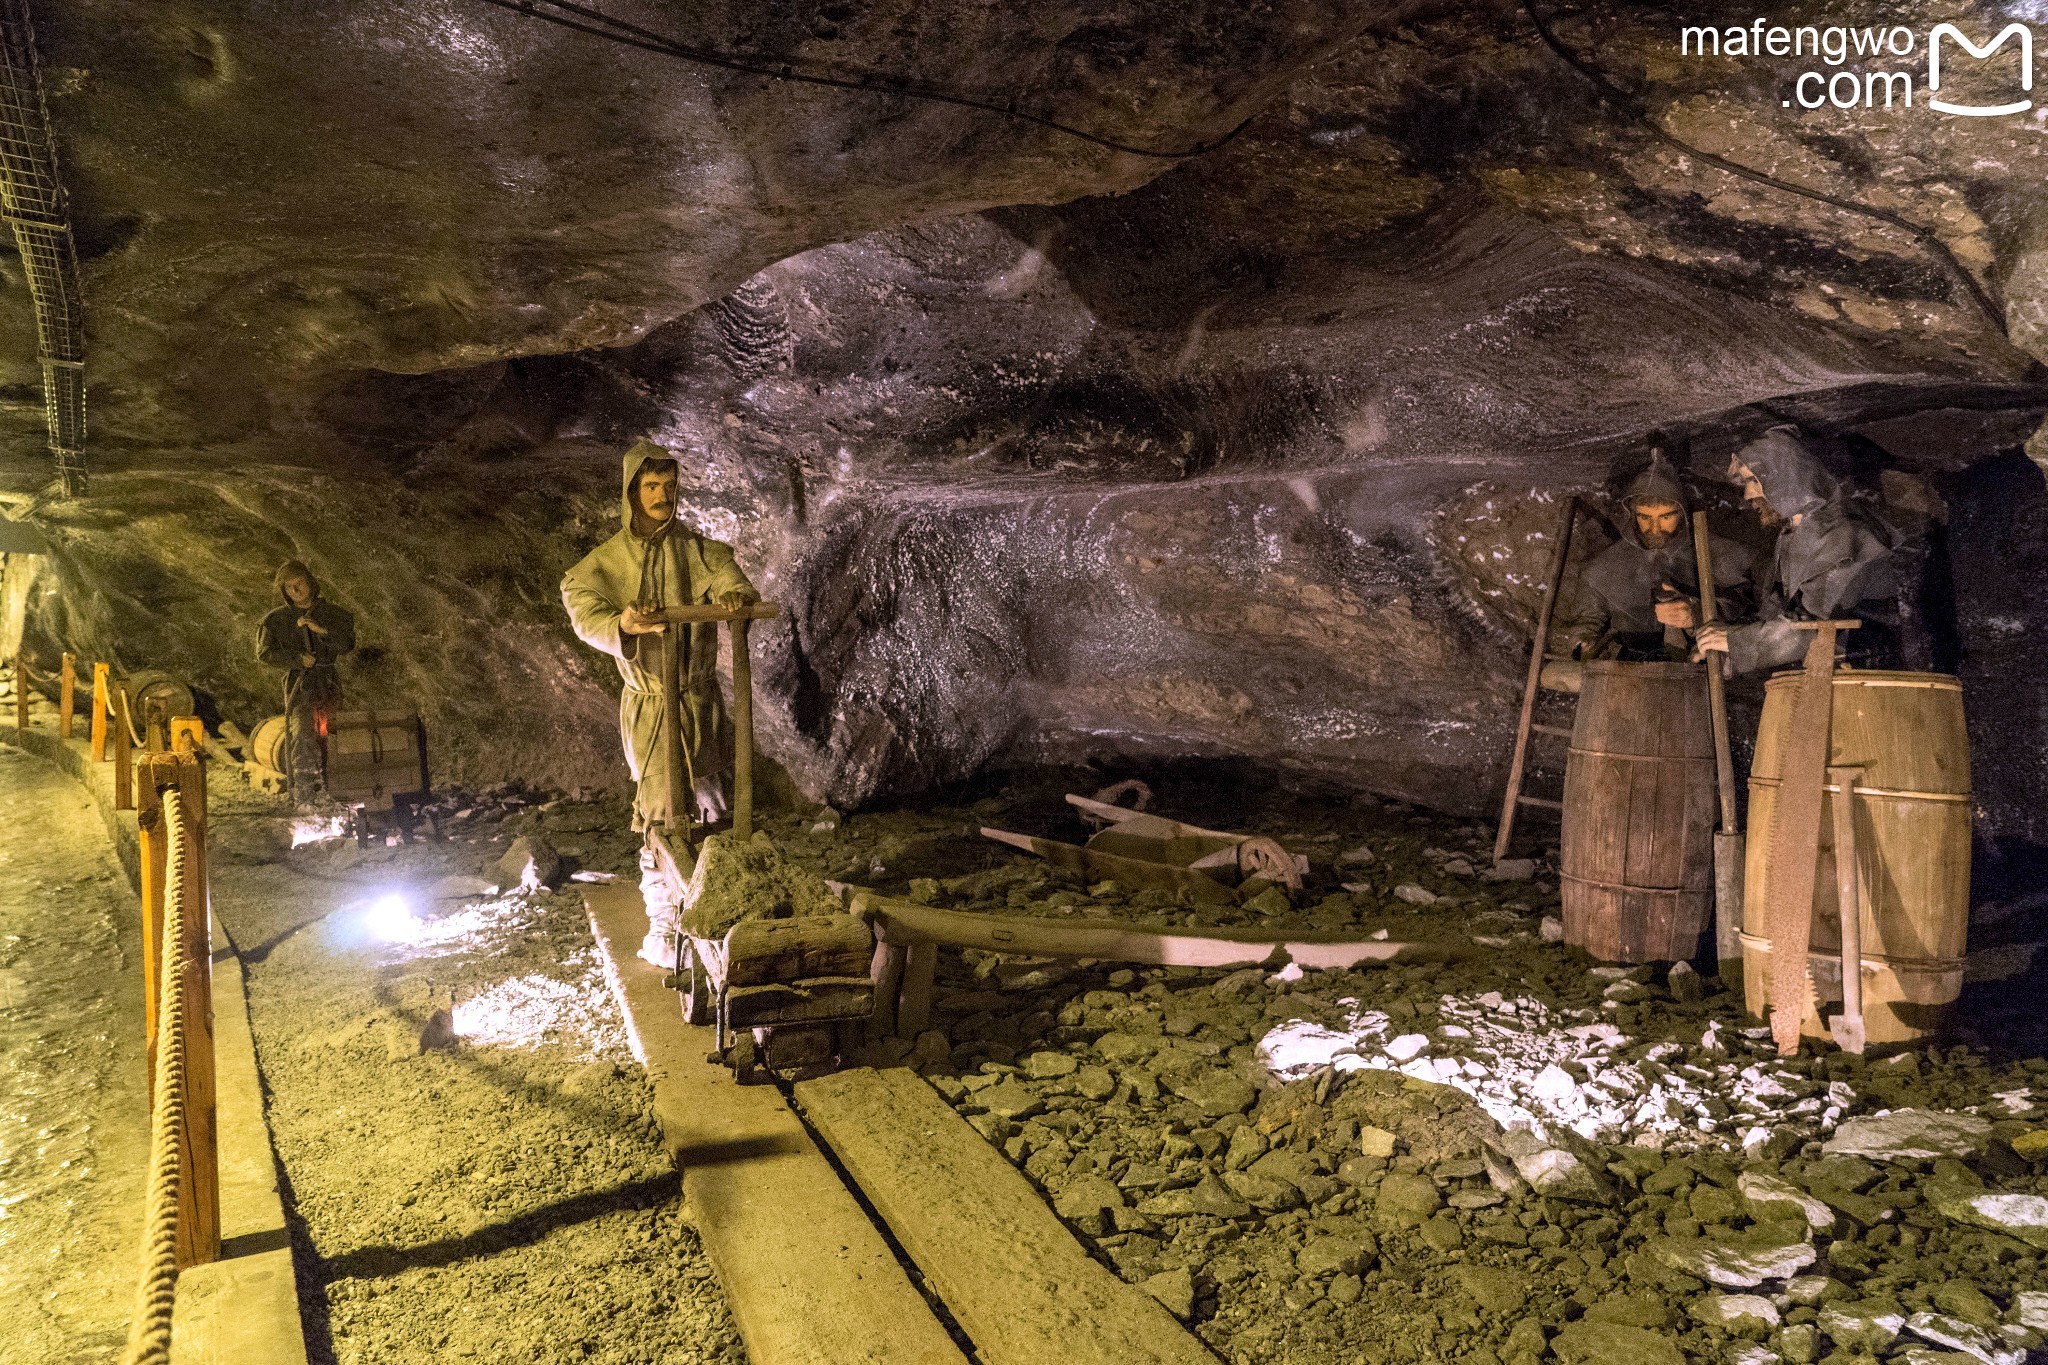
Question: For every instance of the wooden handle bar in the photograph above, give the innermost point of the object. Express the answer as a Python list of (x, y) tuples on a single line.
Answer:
[(753, 611)]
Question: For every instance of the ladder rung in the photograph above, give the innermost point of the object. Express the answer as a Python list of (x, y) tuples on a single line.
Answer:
[(1560, 731), (1544, 802)]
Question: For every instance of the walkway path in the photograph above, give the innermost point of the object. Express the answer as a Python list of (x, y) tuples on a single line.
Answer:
[(73, 1117)]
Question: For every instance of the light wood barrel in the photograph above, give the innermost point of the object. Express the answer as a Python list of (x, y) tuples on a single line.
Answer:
[(1639, 808), (266, 745), (153, 690), (1912, 813)]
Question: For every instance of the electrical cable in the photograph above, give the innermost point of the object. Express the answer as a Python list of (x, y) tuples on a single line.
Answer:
[(1633, 108), (599, 24)]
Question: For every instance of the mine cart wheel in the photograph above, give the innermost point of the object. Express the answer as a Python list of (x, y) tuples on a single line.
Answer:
[(694, 983)]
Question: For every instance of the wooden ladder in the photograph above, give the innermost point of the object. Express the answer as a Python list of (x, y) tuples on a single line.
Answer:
[(1525, 726)]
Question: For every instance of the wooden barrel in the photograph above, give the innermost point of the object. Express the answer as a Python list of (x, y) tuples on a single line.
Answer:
[(375, 755), (266, 745), (1640, 804), (1912, 814), (154, 693)]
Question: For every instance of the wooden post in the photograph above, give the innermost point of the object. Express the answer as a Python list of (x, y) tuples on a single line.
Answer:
[(743, 732), (1560, 556), (124, 755), (102, 681), (887, 970), (155, 861), (20, 692), (67, 695), (914, 1004)]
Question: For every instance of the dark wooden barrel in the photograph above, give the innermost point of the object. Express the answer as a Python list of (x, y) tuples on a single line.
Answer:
[(1639, 810), (1912, 814)]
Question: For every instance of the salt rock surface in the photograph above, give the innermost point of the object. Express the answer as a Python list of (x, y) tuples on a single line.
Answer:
[(1861, 1327), (1965, 1337), (1611, 1343), (1911, 1135), (1740, 1262), (2024, 1216), (1767, 1194), (1736, 1312)]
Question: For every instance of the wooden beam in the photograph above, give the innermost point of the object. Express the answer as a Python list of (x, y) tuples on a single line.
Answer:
[(809, 1279), (743, 731), (124, 755), (1013, 1277), (911, 925), (102, 681), (67, 695)]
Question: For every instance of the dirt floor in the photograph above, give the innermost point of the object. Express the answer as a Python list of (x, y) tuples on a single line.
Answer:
[(74, 1117), (472, 1168), (1513, 1155)]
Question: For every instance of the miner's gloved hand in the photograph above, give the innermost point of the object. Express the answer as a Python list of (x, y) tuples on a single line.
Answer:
[(738, 597), (634, 621), (1674, 608), (310, 624), (1710, 639), (306, 660)]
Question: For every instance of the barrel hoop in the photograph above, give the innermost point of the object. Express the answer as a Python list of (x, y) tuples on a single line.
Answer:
[(1890, 793), (1640, 890), (1645, 758), (1911, 964)]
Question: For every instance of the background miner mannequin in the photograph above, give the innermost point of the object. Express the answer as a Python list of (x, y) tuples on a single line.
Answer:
[(613, 597), (1834, 558), (1630, 592), (305, 637)]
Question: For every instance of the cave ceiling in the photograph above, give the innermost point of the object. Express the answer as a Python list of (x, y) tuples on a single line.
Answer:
[(1055, 451)]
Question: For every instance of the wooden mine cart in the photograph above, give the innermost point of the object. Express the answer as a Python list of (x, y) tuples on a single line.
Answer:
[(782, 994)]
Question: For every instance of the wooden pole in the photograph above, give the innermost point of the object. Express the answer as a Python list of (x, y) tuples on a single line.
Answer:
[(672, 727), (1730, 852), (124, 755), (743, 732), (67, 695), (102, 681), (1559, 557), (1849, 898)]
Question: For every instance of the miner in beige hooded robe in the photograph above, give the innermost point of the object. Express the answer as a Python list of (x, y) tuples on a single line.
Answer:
[(613, 597)]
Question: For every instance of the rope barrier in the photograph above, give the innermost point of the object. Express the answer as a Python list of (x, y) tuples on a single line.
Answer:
[(149, 1334)]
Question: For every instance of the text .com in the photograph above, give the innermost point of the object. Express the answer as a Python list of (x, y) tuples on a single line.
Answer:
[(2004, 86)]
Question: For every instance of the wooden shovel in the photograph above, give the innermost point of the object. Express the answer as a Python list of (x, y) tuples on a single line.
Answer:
[(1795, 834), (1729, 850), (1847, 1026)]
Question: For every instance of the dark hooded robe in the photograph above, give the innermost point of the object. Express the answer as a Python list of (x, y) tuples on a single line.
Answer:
[(311, 691), (1839, 561), (1612, 611), (674, 567)]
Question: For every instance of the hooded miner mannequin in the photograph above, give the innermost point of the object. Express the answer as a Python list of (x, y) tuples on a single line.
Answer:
[(305, 638), (614, 597), (1630, 595), (1834, 558)]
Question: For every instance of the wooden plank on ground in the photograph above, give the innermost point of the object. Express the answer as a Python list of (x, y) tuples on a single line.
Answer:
[(1010, 1273), (908, 924), (809, 1278)]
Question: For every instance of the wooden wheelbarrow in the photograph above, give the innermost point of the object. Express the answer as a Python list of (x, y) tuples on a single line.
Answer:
[(781, 994), (1139, 849)]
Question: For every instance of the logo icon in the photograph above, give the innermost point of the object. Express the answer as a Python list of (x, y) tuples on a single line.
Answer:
[(2026, 38)]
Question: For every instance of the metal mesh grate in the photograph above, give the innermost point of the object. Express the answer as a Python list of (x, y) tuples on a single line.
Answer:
[(32, 198)]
